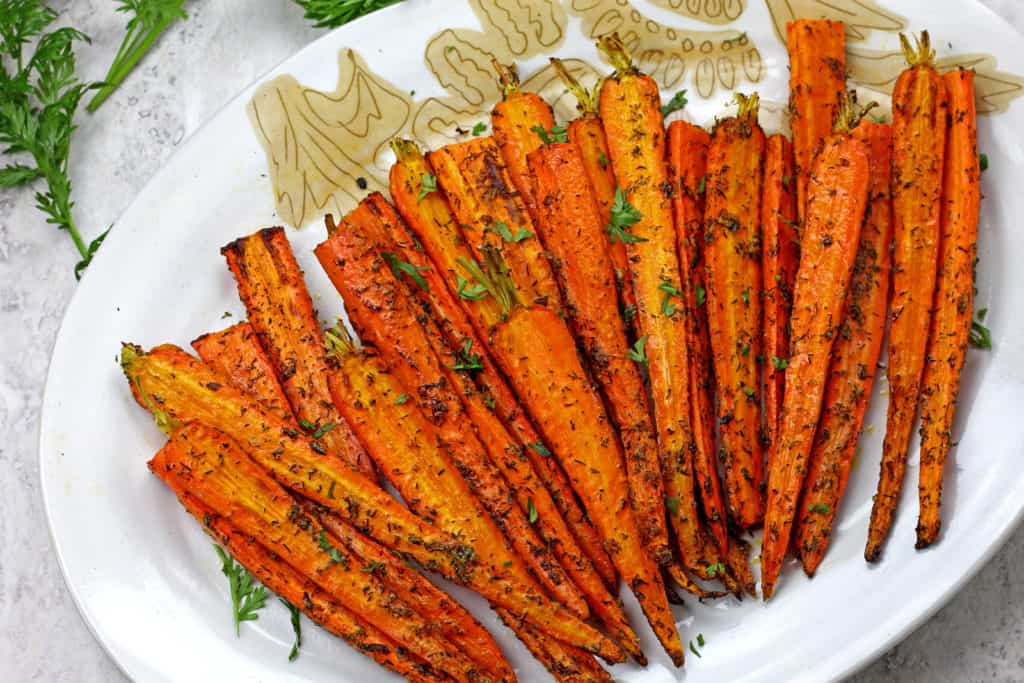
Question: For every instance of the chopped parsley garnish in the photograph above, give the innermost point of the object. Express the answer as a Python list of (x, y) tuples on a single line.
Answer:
[(465, 359), (401, 399), (479, 128), (556, 134), (981, 336), (296, 628), (670, 290), (702, 186), (323, 430), (779, 363), (602, 159), (428, 184), (639, 351), (531, 511), (540, 448), (983, 162), (247, 596), (332, 552), (469, 292), (400, 267), (713, 570), (623, 216), (701, 295), (673, 505), (677, 102), (819, 508), (372, 567), (502, 229)]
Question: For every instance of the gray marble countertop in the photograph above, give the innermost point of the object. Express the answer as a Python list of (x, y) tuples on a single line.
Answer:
[(978, 636)]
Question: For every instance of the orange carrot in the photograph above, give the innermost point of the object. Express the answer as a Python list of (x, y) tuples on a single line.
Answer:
[(412, 347), (280, 309), (780, 255), (688, 156), (376, 305), (568, 219), (430, 226), (630, 107), (565, 663), (214, 469), (954, 297), (415, 458), (732, 252), (177, 388), (920, 110), (836, 203), (230, 349), (854, 358), (817, 83), (235, 352), (292, 586), (587, 134), (521, 122), (536, 351), (483, 199)]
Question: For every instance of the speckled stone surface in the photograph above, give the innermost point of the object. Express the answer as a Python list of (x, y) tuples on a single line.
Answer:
[(193, 71)]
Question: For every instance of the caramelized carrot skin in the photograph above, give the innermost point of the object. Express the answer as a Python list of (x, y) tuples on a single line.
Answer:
[(688, 159), (512, 121), (732, 253), (630, 108), (538, 355), (587, 134), (565, 663), (568, 218), (299, 591), (235, 352), (780, 255), (223, 477), (482, 196), (836, 204), (920, 115), (854, 358), (954, 297), (430, 223), (817, 84), (281, 311)]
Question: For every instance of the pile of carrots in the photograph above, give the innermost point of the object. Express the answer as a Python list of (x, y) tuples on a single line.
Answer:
[(587, 353)]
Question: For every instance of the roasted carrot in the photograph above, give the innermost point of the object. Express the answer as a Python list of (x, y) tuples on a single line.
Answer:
[(298, 590), (412, 347), (536, 351), (569, 218), (178, 388), (732, 254), (630, 107), (836, 203), (385, 318), (854, 358), (235, 352), (954, 297), (280, 309), (521, 122), (415, 458), (566, 663), (780, 255), (920, 110), (429, 225), (487, 205), (454, 621), (687, 166), (221, 475), (587, 133), (817, 83)]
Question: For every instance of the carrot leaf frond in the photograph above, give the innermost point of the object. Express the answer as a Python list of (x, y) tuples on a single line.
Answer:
[(508, 77), (921, 52), (615, 51), (586, 100), (493, 275)]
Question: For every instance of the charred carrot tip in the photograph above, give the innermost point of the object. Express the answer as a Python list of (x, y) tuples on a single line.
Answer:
[(921, 52), (405, 149)]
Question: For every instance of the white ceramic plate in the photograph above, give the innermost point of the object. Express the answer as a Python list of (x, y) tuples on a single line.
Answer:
[(147, 580)]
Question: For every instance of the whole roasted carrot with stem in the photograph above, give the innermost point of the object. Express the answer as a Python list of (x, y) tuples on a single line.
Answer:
[(569, 218), (235, 352), (414, 457), (377, 306), (522, 122), (536, 351), (687, 166), (587, 134), (854, 358), (177, 388), (281, 311), (429, 225), (780, 255), (920, 114), (630, 108), (817, 86), (954, 297), (414, 349), (836, 203), (732, 255), (489, 208), (221, 475), (298, 590)]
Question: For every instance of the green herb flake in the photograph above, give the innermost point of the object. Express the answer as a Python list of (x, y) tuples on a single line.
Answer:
[(531, 511), (700, 639), (602, 159), (639, 351), (372, 567), (746, 295), (677, 102), (467, 291), (401, 399), (428, 184), (296, 616), (332, 552), (400, 267), (779, 363), (983, 162), (506, 233), (556, 134), (749, 391), (307, 425), (694, 650), (819, 508), (623, 216), (540, 448), (670, 290), (702, 186), (247, 596), (330, 490), (672, 504), (980, 336), (465, 359), (713, 570), (701, 295), (479, 128), (324, 429)]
